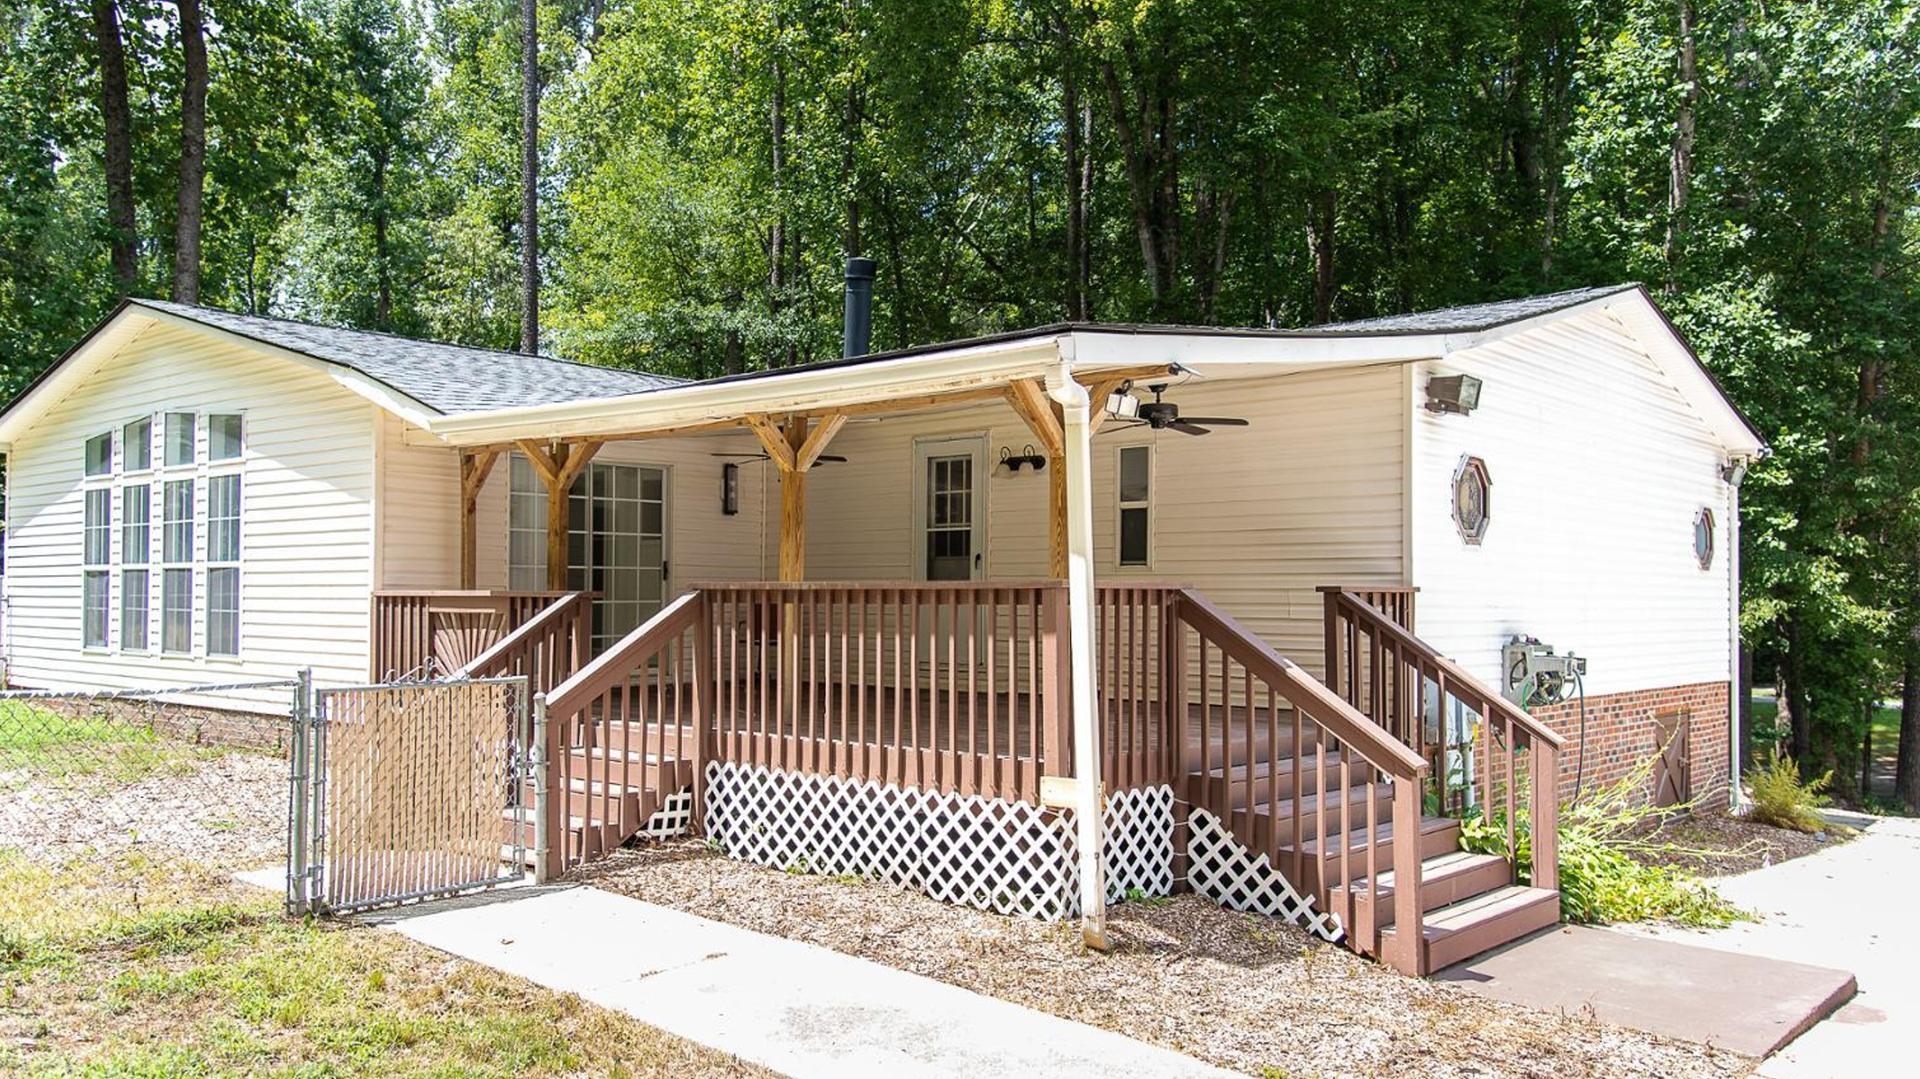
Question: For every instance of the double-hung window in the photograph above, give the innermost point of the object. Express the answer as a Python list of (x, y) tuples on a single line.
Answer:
[(176, 574), (96, 591), (223, 565), (136, 549), (1136, 496)]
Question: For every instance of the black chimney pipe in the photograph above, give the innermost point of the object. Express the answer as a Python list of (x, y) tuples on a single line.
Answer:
[(859, 320)]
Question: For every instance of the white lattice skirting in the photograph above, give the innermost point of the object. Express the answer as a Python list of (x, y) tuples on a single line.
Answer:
[(672, 818), (988, 853), (1225, 871)]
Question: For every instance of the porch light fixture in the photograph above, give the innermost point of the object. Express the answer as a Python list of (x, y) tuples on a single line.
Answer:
[(1121, 404), (1458, 394), (1029, 458), (730, 488)]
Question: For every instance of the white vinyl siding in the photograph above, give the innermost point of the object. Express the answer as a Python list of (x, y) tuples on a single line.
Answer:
[(1255, 517), (308, 509), (1599, 471)]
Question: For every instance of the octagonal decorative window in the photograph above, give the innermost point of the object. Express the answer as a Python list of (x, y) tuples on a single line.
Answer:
[(1472, 489), (1703, 537)]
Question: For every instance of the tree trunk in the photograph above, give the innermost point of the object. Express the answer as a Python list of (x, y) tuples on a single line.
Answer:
[(1906, 776), (193, 154), (1071, 113), (1322, 216), (382, 246), (123, 228), (1680, 169), (1793, 677), (777, 242), (529, 176), (1866, 755)]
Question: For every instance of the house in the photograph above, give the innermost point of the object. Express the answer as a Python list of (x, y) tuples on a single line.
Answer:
[(1266, 584)]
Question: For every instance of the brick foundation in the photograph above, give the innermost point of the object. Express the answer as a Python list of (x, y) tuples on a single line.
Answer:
[(195, 724), (1621, 733)]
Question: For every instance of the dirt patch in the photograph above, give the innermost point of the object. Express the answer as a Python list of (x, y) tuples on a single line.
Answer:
[(227, 811), (1241, 991), (1721, 844)]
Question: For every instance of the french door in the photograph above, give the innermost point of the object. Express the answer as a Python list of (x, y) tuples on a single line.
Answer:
[(616, 542)]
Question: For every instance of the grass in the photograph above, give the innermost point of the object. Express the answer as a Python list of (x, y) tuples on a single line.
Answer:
[(43, 743), (159, 971)]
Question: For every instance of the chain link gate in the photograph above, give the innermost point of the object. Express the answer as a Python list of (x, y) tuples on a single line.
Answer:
[(406, 790)]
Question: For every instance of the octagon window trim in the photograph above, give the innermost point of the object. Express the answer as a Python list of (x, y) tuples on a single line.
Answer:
[(1472, 532), (1705, 528)]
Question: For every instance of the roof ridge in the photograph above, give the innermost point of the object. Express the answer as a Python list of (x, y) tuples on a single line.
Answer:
[(393, 336)]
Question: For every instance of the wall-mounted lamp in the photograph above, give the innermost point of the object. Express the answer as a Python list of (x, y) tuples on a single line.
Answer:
[(1016, 461), (730, 488), (1458, 394), (1734, 471), (1121, 404)]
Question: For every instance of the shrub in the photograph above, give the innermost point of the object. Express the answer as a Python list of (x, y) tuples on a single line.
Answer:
[(1601, 881), (1780, 797)]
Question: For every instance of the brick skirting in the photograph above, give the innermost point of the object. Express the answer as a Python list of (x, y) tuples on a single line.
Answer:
[(1621, 733)]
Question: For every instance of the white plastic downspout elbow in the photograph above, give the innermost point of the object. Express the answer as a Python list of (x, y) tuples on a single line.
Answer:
[(1077, 432)]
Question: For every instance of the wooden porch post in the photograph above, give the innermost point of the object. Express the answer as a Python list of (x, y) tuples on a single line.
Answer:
[(474, 468), (1043, 419), (558, 468), (794, 448)]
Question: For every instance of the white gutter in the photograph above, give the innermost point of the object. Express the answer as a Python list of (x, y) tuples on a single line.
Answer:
[(1089, 787), (1736, 798), (800, 390)]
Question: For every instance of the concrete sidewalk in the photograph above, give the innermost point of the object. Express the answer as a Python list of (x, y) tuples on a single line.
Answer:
[(1852, 907), (797, 1008)]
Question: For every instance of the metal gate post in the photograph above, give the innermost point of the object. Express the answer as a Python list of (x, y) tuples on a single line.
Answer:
[(298, 900), (537, 761)]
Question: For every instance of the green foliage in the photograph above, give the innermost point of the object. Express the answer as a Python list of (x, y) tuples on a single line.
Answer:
[(1780, 796), (1603, 841)]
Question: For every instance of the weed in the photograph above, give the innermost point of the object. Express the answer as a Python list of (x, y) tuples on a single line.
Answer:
[(1600, 879), (1780, 796), (1136, 895)]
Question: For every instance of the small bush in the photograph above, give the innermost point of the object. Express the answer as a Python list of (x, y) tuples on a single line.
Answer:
[(1780, 797), (1600, 879)]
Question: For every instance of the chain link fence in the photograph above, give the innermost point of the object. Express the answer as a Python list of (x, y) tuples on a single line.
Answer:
[(196, 773)]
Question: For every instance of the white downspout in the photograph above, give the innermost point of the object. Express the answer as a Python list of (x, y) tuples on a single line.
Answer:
[(1088, 787), (1736, 799)]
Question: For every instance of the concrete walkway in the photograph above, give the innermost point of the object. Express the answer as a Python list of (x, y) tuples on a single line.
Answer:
[(1854, 907), (797, 1008)]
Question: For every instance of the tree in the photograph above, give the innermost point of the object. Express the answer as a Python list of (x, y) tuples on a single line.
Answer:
[(123, 237), (193, 153), (529, 176)]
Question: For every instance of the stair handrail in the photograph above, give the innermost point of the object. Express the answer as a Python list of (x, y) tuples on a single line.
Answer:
[(1371, 742), (1302, 690), (638, 646), (550, 622), (1543, 743)]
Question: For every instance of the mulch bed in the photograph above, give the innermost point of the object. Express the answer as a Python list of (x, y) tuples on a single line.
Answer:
[(1721, 844), (1242, 991)]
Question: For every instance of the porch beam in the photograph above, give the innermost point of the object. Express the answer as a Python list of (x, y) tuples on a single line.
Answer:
[(773, 440), (474, 469), (1043, 419)]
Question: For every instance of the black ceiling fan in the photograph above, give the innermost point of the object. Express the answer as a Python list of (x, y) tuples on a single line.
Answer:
[(761, 457), (1165, 416)]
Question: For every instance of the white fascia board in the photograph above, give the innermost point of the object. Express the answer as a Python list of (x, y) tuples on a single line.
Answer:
[(1224, 353), (400, 404), (67, 377), (797, 391)]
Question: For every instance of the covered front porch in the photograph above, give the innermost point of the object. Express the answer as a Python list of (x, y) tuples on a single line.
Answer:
[(1024, 714)]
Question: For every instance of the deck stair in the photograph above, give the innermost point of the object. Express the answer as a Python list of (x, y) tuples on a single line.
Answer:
[(1326, 777), (613, 787)]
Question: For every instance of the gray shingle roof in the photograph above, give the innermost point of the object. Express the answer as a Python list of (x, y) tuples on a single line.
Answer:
[(446, 378), (1472, 318)]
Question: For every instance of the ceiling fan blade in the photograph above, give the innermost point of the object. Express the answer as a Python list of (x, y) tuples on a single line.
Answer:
[(1217, 421), (1105, 427), (1186, 428), (829, 457), (748, 456)]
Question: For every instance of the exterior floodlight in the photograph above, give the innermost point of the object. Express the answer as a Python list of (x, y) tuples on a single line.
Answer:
[(1458, 394), (1122, 404)]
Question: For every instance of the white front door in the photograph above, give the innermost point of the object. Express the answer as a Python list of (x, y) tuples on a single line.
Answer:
[(950, 509)]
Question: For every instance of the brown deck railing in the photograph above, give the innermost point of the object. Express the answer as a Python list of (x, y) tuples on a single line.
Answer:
[(1277, 756), (623, 732), (547, 649), (950, 687), (1509, 764), (433, 633)]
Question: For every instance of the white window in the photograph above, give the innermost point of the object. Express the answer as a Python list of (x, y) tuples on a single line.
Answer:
[(180, 449), (224, 441), (133, 610), (97, 526), (176, 581), (616, 541), (136, 527), (96, 580), (526, 528), (136, 445), (94, 602), (100, 455), (223, 565), (1136, 497), (1703, 538)]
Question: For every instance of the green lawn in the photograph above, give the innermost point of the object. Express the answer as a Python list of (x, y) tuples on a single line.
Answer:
[(159, 970), (44, 743)]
